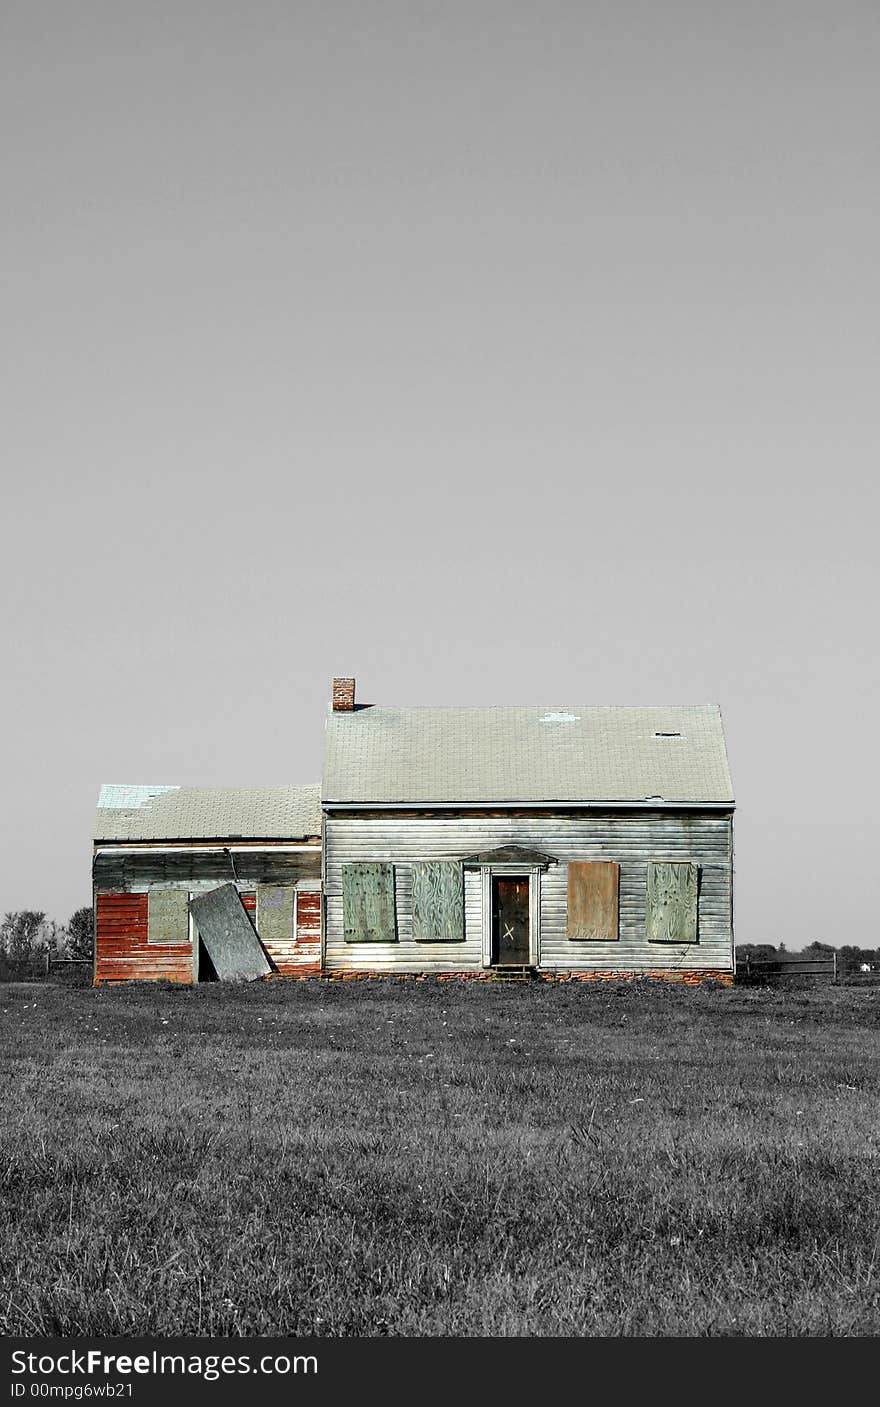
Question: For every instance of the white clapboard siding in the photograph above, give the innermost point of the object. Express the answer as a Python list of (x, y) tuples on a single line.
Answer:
[(630, 838)]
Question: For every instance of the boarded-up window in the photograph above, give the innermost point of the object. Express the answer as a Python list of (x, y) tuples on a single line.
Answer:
[(168, 916), (438, 901), (368, 902), (593, 887), (275, 912), (671, 908)]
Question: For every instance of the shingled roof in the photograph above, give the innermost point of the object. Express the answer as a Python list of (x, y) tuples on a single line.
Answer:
[(207, 813), (655, 755)]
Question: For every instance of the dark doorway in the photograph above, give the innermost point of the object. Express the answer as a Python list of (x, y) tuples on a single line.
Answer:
[(206, 971), (510, 922)]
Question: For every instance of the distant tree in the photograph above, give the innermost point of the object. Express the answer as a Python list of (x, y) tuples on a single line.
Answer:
[(852, 953), (80, 933), (54, 936), (23, 934), (853, 957), (817, 947), (762, 951), (782, 948)]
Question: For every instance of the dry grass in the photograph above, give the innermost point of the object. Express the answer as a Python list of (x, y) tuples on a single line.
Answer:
[(423, 1158)]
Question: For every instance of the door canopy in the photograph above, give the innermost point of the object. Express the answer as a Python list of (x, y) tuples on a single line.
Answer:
[(511, 855)]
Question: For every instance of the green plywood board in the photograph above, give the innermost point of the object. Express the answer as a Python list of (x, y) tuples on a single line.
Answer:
[(168, 916), (368, 902), (671, 908), (275, 912), (438, 901)]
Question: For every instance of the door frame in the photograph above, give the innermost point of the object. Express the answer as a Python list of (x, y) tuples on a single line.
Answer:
[(513, 871)]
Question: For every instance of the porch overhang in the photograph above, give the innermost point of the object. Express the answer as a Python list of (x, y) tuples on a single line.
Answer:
[(512, 855)]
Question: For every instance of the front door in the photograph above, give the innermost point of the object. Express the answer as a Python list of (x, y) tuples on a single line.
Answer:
[(510, 922)]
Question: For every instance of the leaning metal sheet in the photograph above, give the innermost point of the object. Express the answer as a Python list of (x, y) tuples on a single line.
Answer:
[(229, 936)]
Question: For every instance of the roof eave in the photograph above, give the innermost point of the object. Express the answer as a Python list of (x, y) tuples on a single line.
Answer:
[(643, 804), (208, 841)]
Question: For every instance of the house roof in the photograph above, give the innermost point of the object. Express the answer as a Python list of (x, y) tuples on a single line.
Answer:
[(509, 755), (207, 813)]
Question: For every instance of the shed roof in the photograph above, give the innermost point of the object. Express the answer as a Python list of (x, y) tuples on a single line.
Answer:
[(577, 753), (207, 813)]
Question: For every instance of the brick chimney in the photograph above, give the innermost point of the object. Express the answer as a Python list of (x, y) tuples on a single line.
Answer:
[(343, 695)]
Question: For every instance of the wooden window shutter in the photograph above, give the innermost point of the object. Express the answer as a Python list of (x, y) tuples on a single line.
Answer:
[(368, 902), (438, 901), (671, 902), (275, 912), (593, 899), (168, 916)]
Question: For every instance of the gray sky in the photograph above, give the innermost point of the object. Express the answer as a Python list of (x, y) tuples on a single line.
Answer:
[(493, 353)]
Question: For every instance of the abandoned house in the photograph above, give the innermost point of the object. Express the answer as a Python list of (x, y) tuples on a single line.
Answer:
[(564, 842), (185, 878)]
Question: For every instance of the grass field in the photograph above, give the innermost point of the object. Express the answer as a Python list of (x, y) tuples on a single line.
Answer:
[(427, 1158)]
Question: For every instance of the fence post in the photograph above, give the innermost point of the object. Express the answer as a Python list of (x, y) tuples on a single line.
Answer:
[(835, 964)]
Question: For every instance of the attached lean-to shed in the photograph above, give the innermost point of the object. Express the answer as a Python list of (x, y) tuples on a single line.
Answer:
[(568, 840), (194, 884)]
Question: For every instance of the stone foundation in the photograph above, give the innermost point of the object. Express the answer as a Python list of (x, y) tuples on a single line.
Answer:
[(690, 976)]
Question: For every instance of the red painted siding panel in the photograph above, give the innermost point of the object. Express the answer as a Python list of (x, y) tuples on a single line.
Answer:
[(122, 949), (123, 952), (301, 955)]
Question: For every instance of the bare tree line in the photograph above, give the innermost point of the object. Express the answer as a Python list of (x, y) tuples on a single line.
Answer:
[(26, 934)]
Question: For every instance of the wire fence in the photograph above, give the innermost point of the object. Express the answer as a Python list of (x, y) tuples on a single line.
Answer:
[(32, 969), (41, 967), (826, 967), (72, 972)]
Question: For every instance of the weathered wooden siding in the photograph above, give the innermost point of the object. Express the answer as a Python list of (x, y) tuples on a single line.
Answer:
[(407, 954), (300, 953), (632, 839), (122, 949), (125, 867), (307, 955)]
